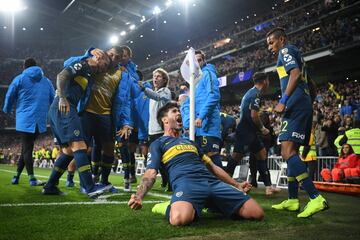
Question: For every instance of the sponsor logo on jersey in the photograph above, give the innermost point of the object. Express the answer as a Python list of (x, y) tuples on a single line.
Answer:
[(77, 66), (77, 132), (287, 58)]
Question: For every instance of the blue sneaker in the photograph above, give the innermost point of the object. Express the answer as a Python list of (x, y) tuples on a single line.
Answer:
[(127, 186), (70, 184), (98, 190), (35, 182), (112, 189), (15, 180)]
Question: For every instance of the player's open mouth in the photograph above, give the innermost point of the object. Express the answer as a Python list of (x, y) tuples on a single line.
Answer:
[(179, 120)]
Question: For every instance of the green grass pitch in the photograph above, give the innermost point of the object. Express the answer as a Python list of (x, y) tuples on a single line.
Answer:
[(26, 214)]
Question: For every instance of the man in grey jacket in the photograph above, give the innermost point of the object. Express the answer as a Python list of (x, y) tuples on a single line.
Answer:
[(158, 98)]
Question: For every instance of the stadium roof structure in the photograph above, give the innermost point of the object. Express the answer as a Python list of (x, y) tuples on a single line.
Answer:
[(82, 23)]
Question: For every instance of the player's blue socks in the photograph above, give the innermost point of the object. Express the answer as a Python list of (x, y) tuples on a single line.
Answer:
[(106, 168), (95, 159), (60, 167), (70, 176), (216, 159), (297, 168), (83, 167), (264, 172), (293, 187), (125, 160)]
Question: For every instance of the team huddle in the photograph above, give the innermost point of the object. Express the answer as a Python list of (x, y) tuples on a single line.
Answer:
[(100, 97)]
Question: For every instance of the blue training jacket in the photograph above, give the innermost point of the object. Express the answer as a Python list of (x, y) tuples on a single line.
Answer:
[(121, 110), (141, 111), (33, 94), (207, 103)]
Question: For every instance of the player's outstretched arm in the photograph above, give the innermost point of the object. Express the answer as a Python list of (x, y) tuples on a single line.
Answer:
[(147, 182), (223, 176)]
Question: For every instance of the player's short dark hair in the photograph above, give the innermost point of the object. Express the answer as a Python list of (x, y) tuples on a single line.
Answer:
[(259, 77), (201, 53), (277, 32), (164, 110), (127, 49), (29, 62)]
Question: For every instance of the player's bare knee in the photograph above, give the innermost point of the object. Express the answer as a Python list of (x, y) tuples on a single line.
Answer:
[(79, 145), (251, 210), (178, 218)]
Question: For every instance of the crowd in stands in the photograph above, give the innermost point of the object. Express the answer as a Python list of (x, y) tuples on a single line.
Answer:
[(318, 29)]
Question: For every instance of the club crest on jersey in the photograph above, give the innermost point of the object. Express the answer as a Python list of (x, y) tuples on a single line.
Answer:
[(77, 132), (284, 51), (287, 58), (179, 194), (77, 66)]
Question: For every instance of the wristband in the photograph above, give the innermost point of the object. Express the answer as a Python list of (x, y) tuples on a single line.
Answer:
[(284, 99)]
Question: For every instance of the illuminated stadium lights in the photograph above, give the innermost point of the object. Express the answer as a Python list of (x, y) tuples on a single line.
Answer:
[(147, 58), (316, 29), (164, 22), (178, 13), (254, 14), (152, 29), (143, 18), (162, 61), (114, 39), (141, 36), (194, 4), (188, 40), (132, 27), (149, 55), (165, 51), (236, 22), (131, 41), (24, 28), (41, 29), (156, 10), (12, 5), (286, 1), (347, 78), (123, 33), (4, 27), (168, 3), (161, 51)]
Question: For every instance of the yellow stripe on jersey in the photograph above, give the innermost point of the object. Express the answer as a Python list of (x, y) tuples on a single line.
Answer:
[(83, 82), (178, 149), (206, 159), (281, 72)]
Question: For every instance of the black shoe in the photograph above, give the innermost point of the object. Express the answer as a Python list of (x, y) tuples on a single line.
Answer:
[(52, 190)]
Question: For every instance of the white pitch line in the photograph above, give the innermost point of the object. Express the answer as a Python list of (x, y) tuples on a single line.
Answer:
[(70, 203), (149, 193)]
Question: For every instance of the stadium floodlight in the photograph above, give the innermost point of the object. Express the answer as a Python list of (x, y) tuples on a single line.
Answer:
[(41, 29), (156, 10), (132, 27), (114, 39), (12, 6), (123, 33), (168, 3), (24, 28), (4, 27)]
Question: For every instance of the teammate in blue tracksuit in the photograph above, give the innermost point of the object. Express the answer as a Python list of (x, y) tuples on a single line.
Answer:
[(32, 93), (207, 110)]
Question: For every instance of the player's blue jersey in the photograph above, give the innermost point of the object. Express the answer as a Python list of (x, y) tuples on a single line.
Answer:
[(250, 101), (289, 58), (181, 158), (228, 123), (80, 77)]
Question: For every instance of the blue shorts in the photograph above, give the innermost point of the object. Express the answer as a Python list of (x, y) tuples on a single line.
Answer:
[(65, 127), (296, 126), (250, 143), (209, 193), (98, 126), (208, 144)]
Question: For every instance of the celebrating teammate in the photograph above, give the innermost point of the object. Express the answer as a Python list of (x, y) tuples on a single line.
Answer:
[(73, 87), (193, 184), (295, 106)]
